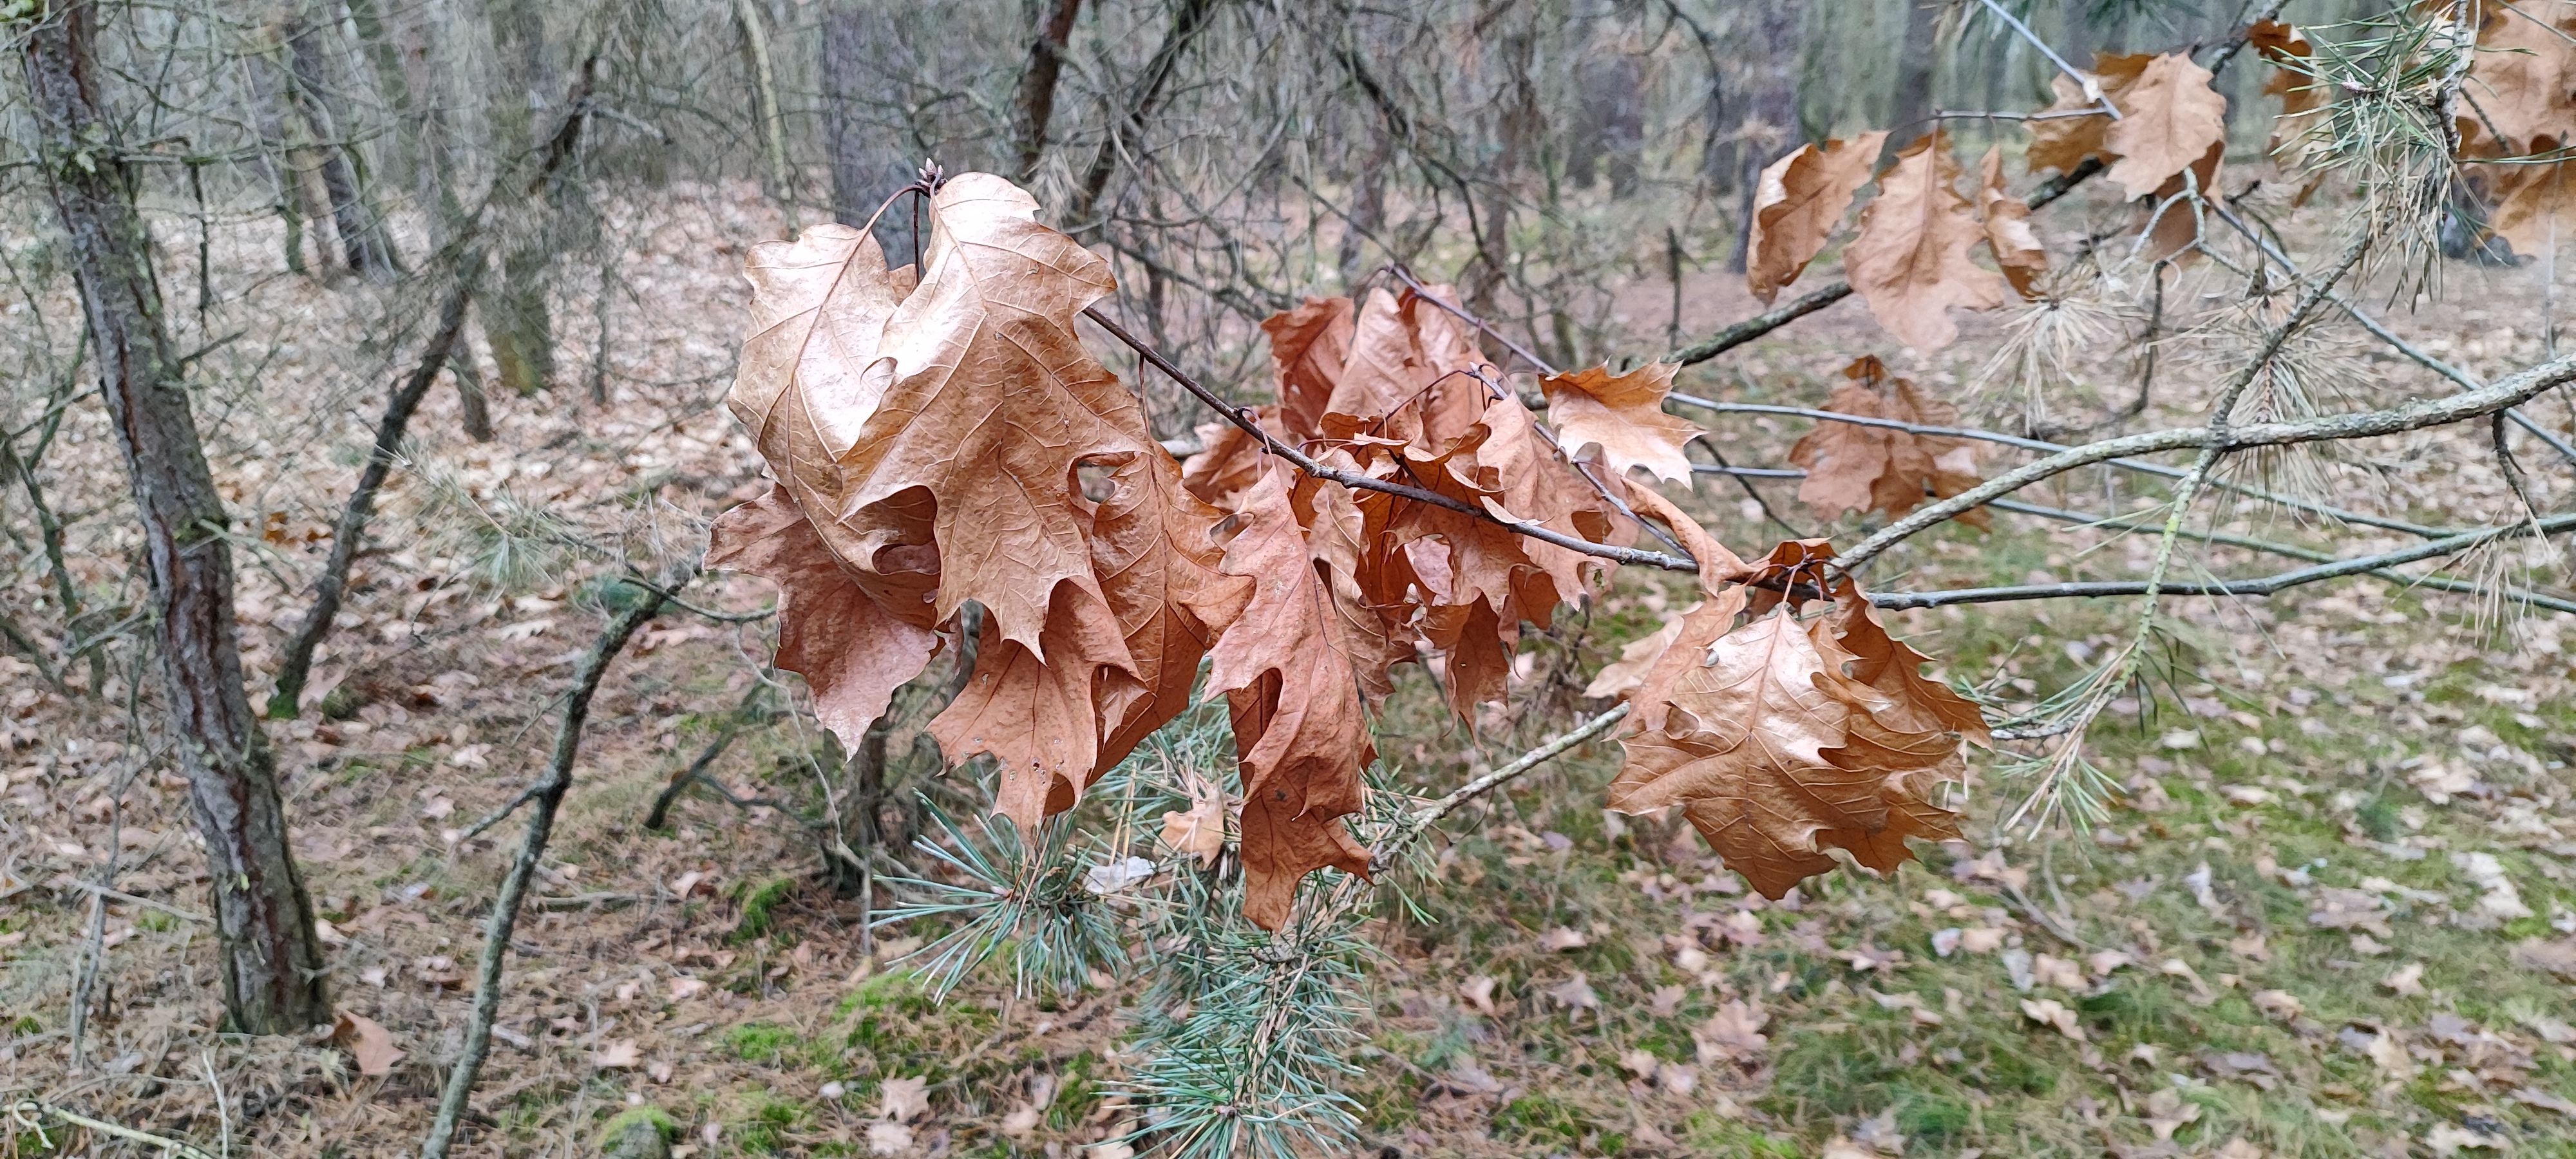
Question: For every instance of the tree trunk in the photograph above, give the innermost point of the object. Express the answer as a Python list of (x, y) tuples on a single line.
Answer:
[(1770, 127), (864, 167), (272, 962), (1189, 18), (362, 229), (1036, 105), (518, 322), (1909, 112)]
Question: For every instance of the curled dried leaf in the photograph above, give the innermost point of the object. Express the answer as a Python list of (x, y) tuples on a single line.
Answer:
[(2008, 233), (1798, 205)]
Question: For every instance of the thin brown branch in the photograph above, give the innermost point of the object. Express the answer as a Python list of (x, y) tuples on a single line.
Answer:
[(549, 797)]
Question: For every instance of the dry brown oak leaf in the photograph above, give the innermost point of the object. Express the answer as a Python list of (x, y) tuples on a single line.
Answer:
[(1623, 416), (2535, 204), (1473, 583), (2300, 94), (1852, 467), (2523, 78), (2170, 221), (850, 649), (1292, 669), (1798, 205), (1686, 640), (1308, 347), (1411, 374), (2063, 142), (2169, 118), (2008, 233), (1776, 754), (958, 411), (1910, 262), (1230, 457)]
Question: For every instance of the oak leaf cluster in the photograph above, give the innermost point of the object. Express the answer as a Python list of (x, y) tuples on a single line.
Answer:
[(942, 438)]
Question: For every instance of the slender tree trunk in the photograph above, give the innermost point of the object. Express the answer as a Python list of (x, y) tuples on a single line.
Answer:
[(362, 229), (1036, 105), (393, 87), (773, 125), (272, 963), (865, 167), (1907, 113), (518, 322), (278, 156), (1188, 20)]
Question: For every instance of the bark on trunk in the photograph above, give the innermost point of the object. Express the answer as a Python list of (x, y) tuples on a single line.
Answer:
[(1906, 118), (1036, 105), (362, 229), (272, 963), (518, 320), (865, 167)]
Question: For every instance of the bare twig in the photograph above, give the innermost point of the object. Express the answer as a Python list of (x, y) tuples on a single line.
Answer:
[(349, 536), (532, 847), (2090, 84), (1428, 815), (2267, 585), (2511, 390), (2138, 465)]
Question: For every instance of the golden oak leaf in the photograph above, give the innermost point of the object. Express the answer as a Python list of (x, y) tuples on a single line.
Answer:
[(1292, 669), (850, 649), (2523, 76), (2008, 233), (1622, 415), (1229, 457), (2063, 142), (1853, 467), (1308, 347), (2169, 117), (1798, 205), (1910, 262)]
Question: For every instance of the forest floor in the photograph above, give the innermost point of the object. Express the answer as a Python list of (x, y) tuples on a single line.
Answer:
[(2333, 915)]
